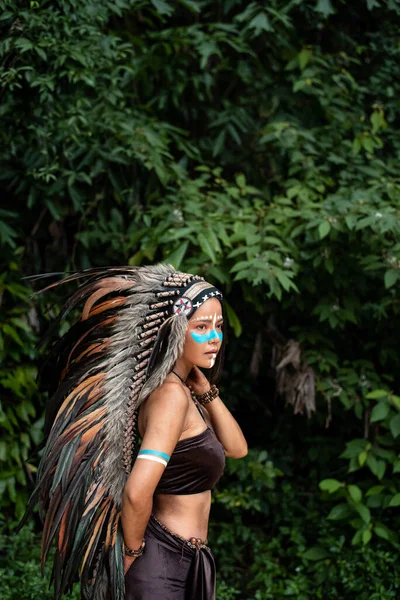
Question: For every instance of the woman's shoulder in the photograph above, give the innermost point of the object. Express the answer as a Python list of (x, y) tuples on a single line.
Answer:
[(170, 395), (167, 402)]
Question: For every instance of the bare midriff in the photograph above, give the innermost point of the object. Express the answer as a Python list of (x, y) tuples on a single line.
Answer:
[(186, 515)]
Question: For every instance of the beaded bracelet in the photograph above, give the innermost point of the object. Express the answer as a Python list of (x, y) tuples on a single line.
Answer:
[(134, 553), (207, 396)]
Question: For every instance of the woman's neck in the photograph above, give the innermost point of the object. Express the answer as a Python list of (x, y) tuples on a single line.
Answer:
[(182, 368)]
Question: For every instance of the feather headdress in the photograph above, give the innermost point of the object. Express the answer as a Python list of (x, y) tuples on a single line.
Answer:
[(104, 367)]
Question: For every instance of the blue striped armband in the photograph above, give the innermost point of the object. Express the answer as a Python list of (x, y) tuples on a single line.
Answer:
[(160, 457)]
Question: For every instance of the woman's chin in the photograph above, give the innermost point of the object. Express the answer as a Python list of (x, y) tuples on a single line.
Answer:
[(207, 362)]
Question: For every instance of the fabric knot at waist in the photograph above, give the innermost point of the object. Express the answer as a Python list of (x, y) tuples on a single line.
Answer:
[(197, 543), (201, 579)]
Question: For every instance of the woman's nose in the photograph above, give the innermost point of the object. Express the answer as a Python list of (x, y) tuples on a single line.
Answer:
[(214, 335)]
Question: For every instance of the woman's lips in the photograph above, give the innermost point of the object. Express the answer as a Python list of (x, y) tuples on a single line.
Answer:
[(212, 352)]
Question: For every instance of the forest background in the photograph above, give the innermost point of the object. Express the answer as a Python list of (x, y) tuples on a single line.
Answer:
[(256, 143)]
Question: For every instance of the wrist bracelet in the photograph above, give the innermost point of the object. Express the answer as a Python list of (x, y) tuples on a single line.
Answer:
[(129, 552), (207, 396)]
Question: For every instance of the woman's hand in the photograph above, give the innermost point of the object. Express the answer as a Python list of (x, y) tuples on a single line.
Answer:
[(128, 560), (198, 381)]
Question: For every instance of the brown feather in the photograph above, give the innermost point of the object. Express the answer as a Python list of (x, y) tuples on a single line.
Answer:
[(107, 305), (55, 501), (80, 425), (62, 539), (110, 285), (103, 509), (101, 324), (115, 530), (103, 291), (93, 349), (95, 500), (77, 393)]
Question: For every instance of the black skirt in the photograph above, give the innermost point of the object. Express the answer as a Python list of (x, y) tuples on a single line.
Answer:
[(170, 568)]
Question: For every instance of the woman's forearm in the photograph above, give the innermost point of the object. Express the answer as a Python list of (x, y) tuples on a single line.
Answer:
[(135, 514), (227, 429)]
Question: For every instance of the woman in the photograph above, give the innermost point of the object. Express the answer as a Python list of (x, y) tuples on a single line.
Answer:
[(129, 368)]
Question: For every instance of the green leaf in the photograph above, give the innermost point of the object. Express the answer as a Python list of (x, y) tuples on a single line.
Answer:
[(339, 512), (357, 538), (323, 229), (364, 512), (233, 319), (304, 58), (394, 425), (325, 8), (382, 531), (8, 330), (391, 277), (316, 554), (3, 451), (380, 412), (191, 5), (362, 458), (371, 4), (163, 8), (176, 257), (260, 23), (41, 52), (285, 282), (381, 469), (240, 180), (206, 246), (330, 485), (375, 490), (213, 239), (206, 49), (372, 463), (375, 394), (136, 259), (222, 234), (23, 44), (353, 448), (395, 500), (355, 493), (395, 401), (366, 536)]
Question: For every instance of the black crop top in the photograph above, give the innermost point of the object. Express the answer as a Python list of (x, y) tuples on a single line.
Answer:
[(196, 465)]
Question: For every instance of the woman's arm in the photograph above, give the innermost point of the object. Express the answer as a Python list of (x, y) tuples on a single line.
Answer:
[(227, 429), (165, 416), (225, 426)]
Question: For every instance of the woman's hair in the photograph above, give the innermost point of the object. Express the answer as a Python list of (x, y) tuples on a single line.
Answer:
[(215, 373)]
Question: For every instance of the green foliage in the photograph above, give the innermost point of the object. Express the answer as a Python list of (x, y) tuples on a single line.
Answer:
[(377, 456), (19, 572), (256, 143), (20, 423), (289, 549)]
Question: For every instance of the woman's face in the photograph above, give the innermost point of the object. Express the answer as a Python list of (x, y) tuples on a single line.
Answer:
[(204, 334)]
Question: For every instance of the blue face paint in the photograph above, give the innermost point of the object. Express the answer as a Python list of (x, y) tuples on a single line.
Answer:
[(201, 338)]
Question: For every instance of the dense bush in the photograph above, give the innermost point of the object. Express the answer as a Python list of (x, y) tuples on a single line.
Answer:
[(272, 539), (256, 143), (19, 568)]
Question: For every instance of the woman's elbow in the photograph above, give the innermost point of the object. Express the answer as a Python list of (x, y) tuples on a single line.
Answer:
[(238, 452), (137, 498)]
